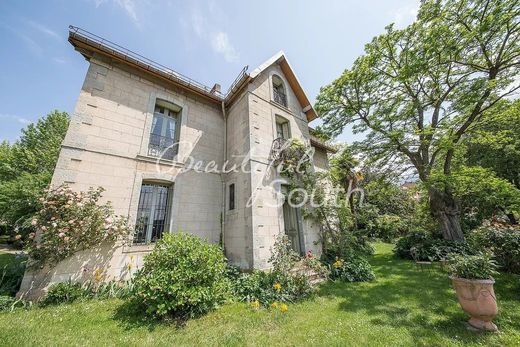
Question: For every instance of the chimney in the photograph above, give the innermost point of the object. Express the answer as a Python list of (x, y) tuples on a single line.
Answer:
[(215, 89)]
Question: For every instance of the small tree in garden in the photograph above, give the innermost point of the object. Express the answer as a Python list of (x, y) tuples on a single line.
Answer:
[(184, 276), (69, 222)]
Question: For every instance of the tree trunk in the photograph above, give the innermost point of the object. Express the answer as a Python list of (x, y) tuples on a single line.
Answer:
[(446, 210)]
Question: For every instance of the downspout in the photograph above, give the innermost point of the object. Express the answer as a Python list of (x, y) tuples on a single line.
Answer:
[(222, 178)]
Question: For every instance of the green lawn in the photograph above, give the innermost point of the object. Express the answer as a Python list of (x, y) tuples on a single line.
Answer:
[(403, 307)]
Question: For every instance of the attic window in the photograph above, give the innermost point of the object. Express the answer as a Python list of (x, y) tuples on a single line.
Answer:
[(279, 95)]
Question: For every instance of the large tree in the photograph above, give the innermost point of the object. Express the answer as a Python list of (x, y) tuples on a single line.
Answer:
[(418, 91)]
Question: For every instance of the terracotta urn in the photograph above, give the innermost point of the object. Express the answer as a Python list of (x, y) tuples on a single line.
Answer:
[(477, 298)]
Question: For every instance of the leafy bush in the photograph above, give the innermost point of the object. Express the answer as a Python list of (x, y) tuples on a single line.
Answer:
[(270, 286), (478, 267), (183, 276), (351, 269), (69, 222), (65, 292), (502, 240), (348, 242), (427, 248), (388, 227)]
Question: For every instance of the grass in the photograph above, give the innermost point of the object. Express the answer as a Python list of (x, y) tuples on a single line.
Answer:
[(403, 307)]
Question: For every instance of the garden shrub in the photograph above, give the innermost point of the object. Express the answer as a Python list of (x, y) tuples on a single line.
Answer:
[(279, 285), (502, 240), (183, 276), (473, 267), (65, 292), (388, 227), (427, 248), (351, 269), (69, 222)]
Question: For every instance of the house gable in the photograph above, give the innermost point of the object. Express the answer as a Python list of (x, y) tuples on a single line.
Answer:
[(279, 62)]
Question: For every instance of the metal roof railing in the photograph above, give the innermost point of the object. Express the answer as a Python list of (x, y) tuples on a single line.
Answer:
[(148, 63)]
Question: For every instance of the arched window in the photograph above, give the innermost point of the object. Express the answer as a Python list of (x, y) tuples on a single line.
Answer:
[(279, 95)]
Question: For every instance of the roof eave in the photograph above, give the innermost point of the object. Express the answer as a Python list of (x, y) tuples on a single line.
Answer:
[(88, 47)]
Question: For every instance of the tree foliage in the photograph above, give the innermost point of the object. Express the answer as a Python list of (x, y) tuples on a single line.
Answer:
[(495, 143), (26, 168), (416, 92)]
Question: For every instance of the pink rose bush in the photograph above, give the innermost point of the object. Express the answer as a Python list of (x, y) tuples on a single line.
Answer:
[(69, 221)]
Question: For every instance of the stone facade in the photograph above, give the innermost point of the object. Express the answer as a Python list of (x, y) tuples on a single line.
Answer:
[(107, 145)]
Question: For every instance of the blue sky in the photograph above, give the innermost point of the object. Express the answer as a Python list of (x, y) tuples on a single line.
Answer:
[(209, 41)]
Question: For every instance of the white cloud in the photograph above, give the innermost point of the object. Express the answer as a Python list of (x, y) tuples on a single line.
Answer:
[(220, 43), (32, 45), (45, 30), (12, 117), (209, 31), (405, 15), (199, 24), (59, 60), (129, 6)]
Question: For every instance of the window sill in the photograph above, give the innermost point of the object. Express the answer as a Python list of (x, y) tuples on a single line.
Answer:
[(139, 248), (285, 108), (151, 159)]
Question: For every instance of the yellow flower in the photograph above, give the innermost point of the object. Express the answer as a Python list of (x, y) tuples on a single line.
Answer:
[(97, 275), (338, 263), (255, 305), (274, 305), (129, 266), (277, 286), (284, 307)]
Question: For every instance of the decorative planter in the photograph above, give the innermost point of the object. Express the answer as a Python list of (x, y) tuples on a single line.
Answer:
[(477, 298)]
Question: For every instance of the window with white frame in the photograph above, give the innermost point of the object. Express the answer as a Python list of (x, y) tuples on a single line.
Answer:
[(164, 133), (279, 94), (283, 130), (152, 212)]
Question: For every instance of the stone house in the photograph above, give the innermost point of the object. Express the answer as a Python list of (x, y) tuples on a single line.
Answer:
[(137, 129)]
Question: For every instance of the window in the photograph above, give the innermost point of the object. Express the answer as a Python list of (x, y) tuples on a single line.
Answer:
[(164, 132), (279, 95), (152, 213), (282, 128), (231, 196)]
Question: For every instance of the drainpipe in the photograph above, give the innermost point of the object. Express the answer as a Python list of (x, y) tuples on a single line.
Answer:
[(223, 219)]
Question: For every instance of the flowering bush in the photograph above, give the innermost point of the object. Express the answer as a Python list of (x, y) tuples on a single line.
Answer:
[(280, 285), (265, 288), (183, 276), (68, 222)]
